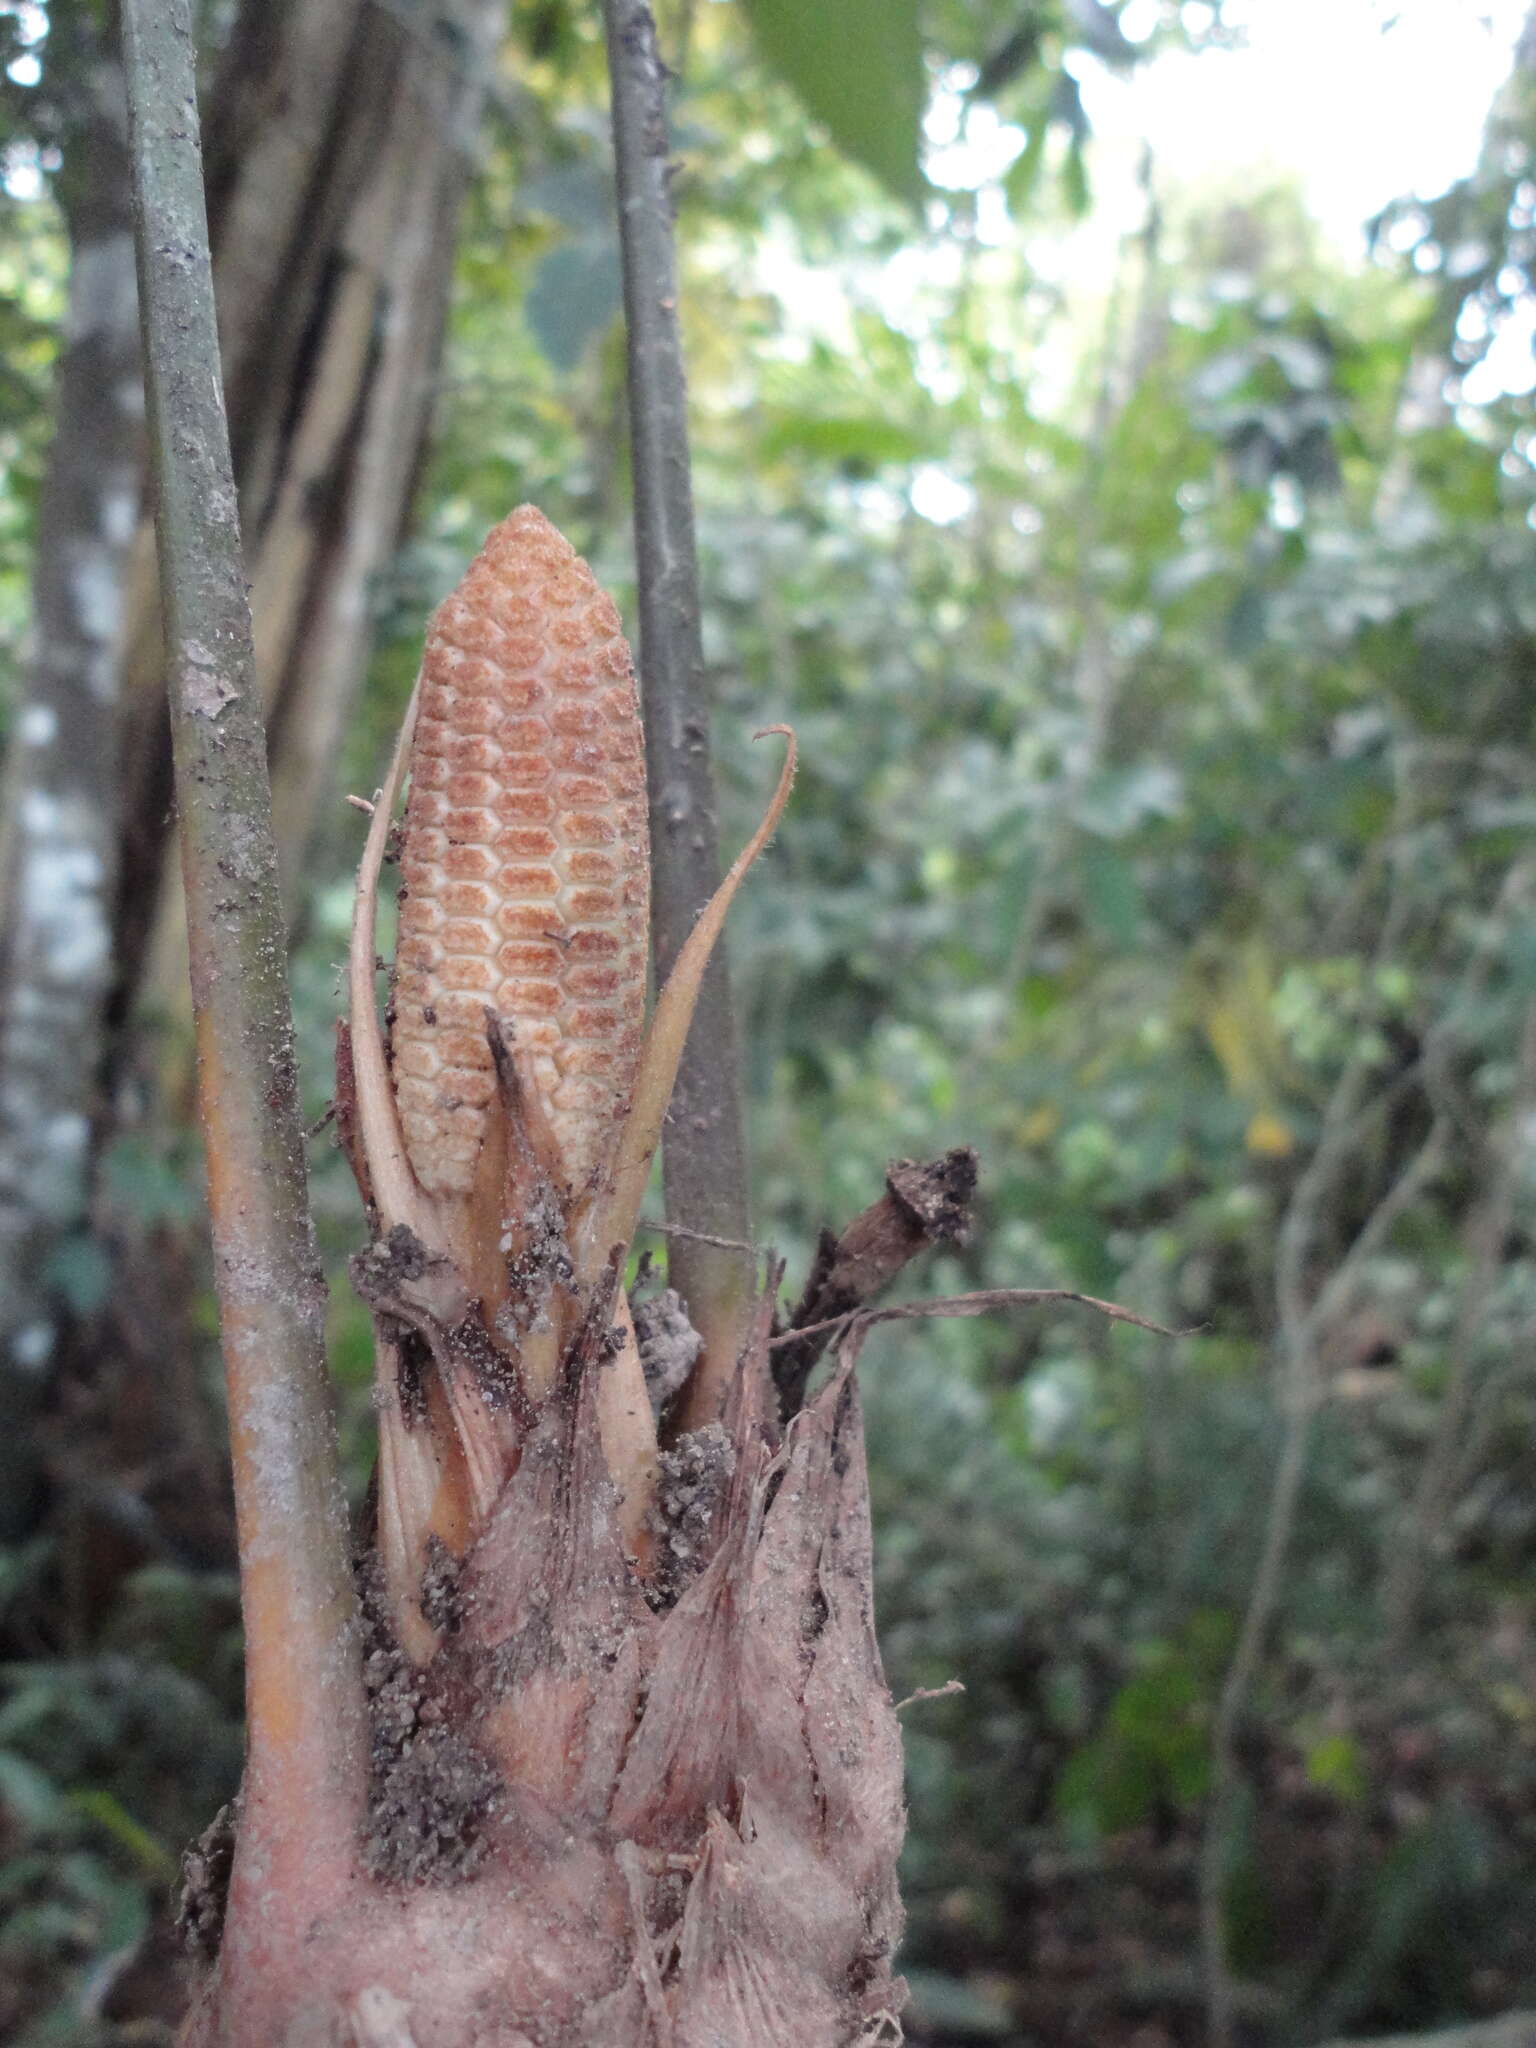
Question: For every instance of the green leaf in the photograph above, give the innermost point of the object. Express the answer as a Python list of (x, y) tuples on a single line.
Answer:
[(80, 1272), (578, 194), (1012, 900), (29, 1794), (1336, 1763), (1248, 621), (1024, 173), (1116, 801), (575, 294), (865, 439), (156, 1861), (1112, 894), (858, 68), (1074, 180), (1107, 1786)]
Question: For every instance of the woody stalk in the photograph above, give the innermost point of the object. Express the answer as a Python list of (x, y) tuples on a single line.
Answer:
[(585, 1740)]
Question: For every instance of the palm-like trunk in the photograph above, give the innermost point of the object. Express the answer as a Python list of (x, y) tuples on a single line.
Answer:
[(636, 1775), (592, 1822)]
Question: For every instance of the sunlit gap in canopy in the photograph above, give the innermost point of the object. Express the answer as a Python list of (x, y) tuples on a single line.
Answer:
[(1357, 101), (23, 165), (1352, 103)]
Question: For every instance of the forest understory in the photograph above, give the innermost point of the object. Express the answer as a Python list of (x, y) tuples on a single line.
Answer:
[(1144, 565)]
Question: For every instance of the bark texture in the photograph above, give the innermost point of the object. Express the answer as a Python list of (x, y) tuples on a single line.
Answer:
[(595, 1822), (303, 1701), (58, 810), (704, 1172)]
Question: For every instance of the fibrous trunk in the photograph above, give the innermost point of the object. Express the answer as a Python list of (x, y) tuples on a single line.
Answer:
[(636, 1776)]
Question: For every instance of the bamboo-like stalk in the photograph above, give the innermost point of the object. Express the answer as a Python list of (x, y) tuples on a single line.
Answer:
[(306, 1734), (704, 1169)]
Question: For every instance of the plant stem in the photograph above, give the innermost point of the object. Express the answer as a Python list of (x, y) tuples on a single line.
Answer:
[(704, 1154), (303, 1692)]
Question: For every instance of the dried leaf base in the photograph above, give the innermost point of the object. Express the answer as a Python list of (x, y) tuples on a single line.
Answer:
[(595, 1820)]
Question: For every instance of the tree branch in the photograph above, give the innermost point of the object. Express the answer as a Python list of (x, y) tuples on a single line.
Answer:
[(303, 1691), (922, 1206), (983, 1302), (704, 1170)]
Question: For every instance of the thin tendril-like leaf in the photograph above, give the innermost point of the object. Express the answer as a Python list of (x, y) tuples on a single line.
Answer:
[(983, 1302), (616, 1214), (399, 1197)]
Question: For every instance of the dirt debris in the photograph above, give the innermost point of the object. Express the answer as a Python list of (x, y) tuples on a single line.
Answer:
[(431, 1789), (441, 1604), (399, 1274), (421, 1294), (669, 1344), (205, 1868), (536, 1269), (692, 1490)]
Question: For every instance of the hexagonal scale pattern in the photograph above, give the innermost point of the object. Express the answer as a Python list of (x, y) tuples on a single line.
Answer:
[(526, 857)]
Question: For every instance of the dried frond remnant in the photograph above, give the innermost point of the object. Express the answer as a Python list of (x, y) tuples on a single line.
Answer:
[(526, 858)]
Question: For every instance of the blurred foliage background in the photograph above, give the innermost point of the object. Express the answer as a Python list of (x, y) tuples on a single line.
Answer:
[(1149, 573)]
